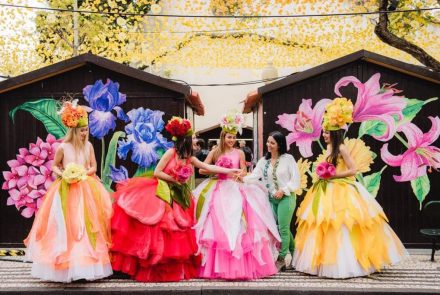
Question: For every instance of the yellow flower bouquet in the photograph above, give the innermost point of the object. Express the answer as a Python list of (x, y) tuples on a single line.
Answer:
[(74, 173)]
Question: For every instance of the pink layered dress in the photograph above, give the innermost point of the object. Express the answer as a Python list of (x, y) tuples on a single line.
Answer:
[(236, 232), (70, 235)]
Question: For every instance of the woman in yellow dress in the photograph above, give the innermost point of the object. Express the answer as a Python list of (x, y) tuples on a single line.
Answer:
[(342, 231)]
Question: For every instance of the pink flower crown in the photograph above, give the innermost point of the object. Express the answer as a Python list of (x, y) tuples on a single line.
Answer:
[(232, 123)]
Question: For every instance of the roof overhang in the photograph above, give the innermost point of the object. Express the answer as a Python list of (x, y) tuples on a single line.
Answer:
[(88, 58)]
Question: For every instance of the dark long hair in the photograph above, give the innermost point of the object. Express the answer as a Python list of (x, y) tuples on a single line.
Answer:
[(183, 146), (281, 141), (336, 139)]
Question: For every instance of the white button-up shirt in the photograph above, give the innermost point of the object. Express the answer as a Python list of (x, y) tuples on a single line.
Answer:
[(288, 177)]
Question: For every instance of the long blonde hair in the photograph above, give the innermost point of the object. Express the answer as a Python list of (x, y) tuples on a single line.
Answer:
[(72, 137), (221, 147)]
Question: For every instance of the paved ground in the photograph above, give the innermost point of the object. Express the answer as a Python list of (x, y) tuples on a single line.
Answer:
[(416, 275)]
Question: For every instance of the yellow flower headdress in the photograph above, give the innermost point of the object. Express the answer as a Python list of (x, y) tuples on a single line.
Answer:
[(232, 122), (338, 114), (73, 115)]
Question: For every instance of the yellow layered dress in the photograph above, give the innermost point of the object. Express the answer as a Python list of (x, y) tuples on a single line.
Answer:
[(342, 231)]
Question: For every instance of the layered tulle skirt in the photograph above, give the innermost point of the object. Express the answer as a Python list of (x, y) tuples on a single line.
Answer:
[(236, 231), (70, 235), (152, 240), (343, 232)]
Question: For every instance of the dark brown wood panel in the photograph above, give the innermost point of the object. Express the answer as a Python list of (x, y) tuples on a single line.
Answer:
[(25, 129), (397, 199)]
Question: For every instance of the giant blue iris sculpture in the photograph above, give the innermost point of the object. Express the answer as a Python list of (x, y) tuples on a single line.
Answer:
[(103, 99), (144, 139)]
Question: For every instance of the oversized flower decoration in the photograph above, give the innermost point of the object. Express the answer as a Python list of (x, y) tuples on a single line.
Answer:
[(375, 103), (338, 114), (30, 175), (182, 173), (74, 173), (232, 122), (179, 127), (420, 153), (303, 167), (304, 126), (73, 115), (144, 139), (103, 99), (118, 174)]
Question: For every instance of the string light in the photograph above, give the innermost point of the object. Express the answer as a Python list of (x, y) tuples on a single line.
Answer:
[(215, 16)]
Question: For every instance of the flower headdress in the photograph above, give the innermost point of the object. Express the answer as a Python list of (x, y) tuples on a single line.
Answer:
[(179, 127), (73, 115), (338, 114), (232, 122)]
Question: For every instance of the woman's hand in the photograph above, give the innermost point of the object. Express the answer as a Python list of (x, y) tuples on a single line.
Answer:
[(91, 172), (236, 172), (278, 195)]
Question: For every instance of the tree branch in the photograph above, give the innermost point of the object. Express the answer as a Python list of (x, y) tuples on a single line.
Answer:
[(384, 34)]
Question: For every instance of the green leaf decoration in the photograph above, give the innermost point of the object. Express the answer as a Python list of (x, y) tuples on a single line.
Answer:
[(202, 198), (413, 107), (110, 158), (144, 172), (372, 127), (320, 188), (372, 182), (45, 111), (360, 178), (181, 194), (109, 189), (163, 191), (421, 187)]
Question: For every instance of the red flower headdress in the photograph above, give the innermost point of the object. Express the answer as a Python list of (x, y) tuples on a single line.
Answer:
[(179, 127)]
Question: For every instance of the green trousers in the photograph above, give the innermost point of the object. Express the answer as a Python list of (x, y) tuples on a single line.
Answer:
[(283, 211)]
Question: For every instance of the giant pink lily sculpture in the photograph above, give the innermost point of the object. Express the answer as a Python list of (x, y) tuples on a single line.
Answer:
[(374, 103), (305, 125), (420, 153)]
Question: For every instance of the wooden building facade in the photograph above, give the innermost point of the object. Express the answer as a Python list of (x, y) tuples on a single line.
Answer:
[(285, 95), (70, 77)]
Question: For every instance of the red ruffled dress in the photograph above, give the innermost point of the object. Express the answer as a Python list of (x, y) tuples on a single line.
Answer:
[(153, 241)]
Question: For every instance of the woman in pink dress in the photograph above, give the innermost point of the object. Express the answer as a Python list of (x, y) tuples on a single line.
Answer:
[(236, 232)]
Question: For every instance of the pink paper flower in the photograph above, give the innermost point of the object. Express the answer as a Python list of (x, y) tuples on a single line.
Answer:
[(30, 175), (183, 173), (375, 103), (224, 162), (325, 170), (420, 153), (304, 126)]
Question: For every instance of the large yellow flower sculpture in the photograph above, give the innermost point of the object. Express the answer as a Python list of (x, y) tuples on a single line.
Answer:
[(303, 166)]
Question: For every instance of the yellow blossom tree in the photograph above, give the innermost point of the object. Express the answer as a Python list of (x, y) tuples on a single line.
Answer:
[(144, 40)]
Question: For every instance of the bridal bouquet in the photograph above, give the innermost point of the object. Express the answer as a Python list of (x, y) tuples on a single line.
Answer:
[(74, 173), (183, 173)]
